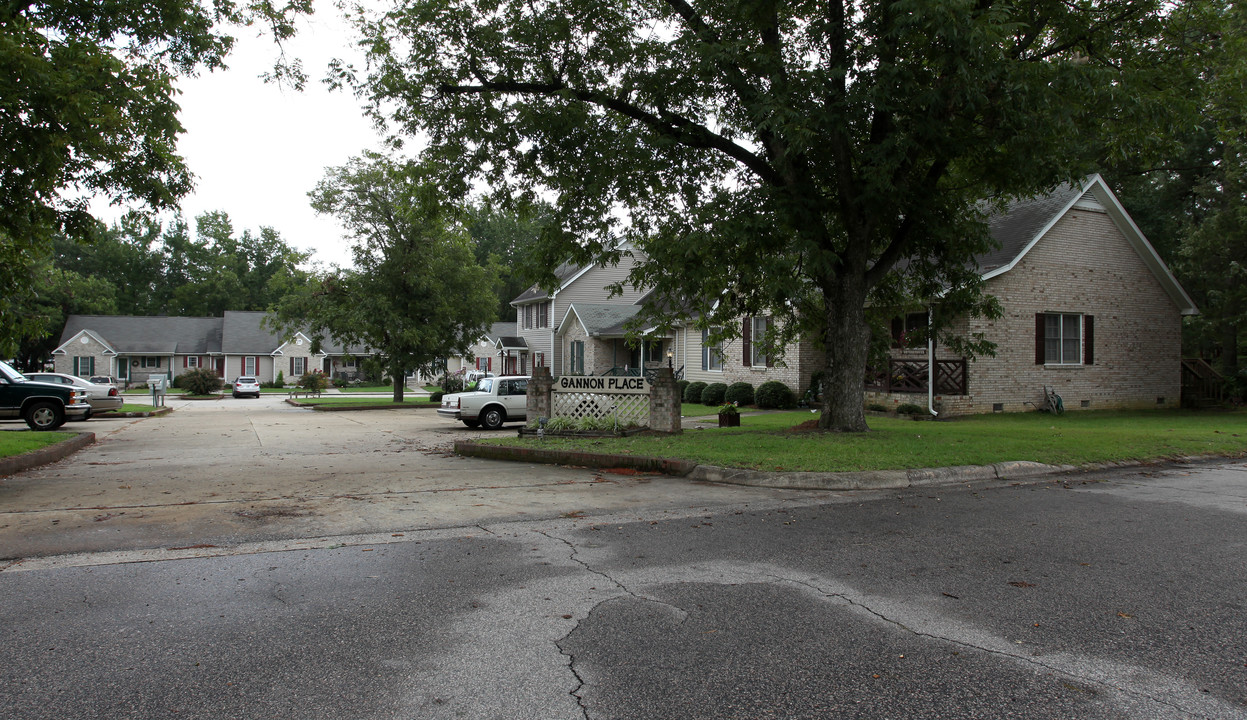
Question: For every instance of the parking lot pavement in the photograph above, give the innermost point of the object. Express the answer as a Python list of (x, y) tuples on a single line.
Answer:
[(236, 470)]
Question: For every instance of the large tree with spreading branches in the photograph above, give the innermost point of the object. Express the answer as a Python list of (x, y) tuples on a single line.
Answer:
[(803, 159)]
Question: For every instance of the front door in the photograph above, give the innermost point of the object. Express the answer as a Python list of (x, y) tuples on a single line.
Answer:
[(510, 363)]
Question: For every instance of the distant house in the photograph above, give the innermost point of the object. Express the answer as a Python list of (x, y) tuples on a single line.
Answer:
[(497, 351), (132, 348)]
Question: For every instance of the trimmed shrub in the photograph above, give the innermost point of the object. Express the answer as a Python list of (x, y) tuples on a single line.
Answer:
[(682, 385), (774, 394), (713, 394), (740, 393), (692, 393), (281, 379), (200, 381), (313, 382), (178, 382), (876, 407), (910, 409), (436, 396)]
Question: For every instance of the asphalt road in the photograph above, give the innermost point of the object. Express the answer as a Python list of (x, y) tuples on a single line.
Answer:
[(1096, 596)]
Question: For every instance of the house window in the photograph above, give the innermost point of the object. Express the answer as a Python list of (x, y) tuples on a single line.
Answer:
[(543, 314), (298, 366), (192, 361), (248, 366), (711, 355), (84, 366), (1064, 339), (151, 362), (576, 358), (352, 363), (757, 333), (540, 361), (528, 316), (654, 351)]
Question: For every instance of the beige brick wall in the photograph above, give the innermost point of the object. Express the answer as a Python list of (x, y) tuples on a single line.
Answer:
[(794, 369), (85, 346), (1084, 265)]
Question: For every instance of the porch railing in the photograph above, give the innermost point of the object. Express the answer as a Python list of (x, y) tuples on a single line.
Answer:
[(1201, 383), (649, 374), (910, 376)]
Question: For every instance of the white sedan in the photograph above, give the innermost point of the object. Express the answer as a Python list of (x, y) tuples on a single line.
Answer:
[(101, 398)]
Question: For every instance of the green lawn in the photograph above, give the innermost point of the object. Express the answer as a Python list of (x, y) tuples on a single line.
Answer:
[(366, 402), (132, 407), (769, 442), (17, 442)]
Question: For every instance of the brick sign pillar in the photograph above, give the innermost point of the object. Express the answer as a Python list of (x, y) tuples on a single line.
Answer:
[(538, 404), (664, 403)]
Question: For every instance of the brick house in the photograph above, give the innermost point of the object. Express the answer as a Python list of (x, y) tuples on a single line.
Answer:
[(132, 348), (1089, 310)]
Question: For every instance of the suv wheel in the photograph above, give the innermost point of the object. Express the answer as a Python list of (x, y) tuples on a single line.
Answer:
[(44, 416), (493, 417)]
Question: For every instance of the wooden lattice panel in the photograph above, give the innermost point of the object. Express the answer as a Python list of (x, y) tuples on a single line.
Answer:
[(629, 409)]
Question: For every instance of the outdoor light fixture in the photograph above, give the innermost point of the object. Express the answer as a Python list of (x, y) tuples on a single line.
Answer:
[(669, 356)]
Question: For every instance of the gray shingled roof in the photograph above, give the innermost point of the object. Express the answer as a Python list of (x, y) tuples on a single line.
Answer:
[(510, 342), (500, 329), (1019, 223), (562, 273), (602, 319), (162, 334)]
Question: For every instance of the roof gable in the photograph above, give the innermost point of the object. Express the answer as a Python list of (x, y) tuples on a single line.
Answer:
[(1025, 222)]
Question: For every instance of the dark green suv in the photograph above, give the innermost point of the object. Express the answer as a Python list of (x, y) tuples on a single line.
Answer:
[(43, 406)]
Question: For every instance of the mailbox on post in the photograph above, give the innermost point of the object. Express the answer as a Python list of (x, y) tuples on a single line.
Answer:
[(157, 384)]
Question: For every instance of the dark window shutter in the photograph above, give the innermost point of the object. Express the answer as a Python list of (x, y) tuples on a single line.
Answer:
[(746, 337), (898, 329), (1040, 328), (704, 355), (1088, 340), (76, 364), (186, 361)]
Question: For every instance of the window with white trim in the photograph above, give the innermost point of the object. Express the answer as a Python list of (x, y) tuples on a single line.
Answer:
[(1063, 339), (248, 366), (150, 362), (192, 361), (576, 359), (711, 355), (758, 335), (298, 366)]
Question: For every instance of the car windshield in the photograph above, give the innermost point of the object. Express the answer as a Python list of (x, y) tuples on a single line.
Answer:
[(246, 380), (485, 385), (10, 374)]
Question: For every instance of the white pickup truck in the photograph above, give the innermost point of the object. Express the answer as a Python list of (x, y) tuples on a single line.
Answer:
[(495, 401)]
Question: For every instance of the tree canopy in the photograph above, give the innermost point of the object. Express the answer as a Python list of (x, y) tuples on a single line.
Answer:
[(87, 108), (417, 294), (775, 157)]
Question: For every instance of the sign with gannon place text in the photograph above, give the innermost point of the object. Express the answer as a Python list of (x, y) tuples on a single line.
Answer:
[(601, 384)]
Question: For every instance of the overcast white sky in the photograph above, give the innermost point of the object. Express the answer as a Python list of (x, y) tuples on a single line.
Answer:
[(257, 149)]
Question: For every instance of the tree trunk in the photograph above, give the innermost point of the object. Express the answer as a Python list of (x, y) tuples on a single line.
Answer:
[(847, 343), (397, 376)]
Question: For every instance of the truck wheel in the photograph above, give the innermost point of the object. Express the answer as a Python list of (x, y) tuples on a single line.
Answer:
[(472, 423), (44, 416), (492, 418)]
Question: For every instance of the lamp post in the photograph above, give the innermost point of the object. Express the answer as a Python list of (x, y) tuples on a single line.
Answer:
[(670, 353)]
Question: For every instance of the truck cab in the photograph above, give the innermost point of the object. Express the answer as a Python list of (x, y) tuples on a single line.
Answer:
[(44, 406)]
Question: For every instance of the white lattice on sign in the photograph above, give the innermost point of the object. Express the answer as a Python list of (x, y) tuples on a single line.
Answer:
[(629, 409)]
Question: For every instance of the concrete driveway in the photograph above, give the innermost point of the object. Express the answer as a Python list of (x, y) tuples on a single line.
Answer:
[(231, 471)]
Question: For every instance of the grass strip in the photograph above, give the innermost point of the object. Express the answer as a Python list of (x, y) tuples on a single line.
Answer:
[(366, 402), (18, 442), (772, 442)]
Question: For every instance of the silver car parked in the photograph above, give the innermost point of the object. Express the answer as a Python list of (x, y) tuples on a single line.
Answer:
[(101, 398)]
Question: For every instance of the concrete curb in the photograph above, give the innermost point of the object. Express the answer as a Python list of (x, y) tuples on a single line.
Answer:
[(150, 413), (568, 457), (864, 480), (46, 455)]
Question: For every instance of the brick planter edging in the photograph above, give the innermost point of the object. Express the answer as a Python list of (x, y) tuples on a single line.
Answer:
[(46, 455), (572, 457), (162, 410)]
